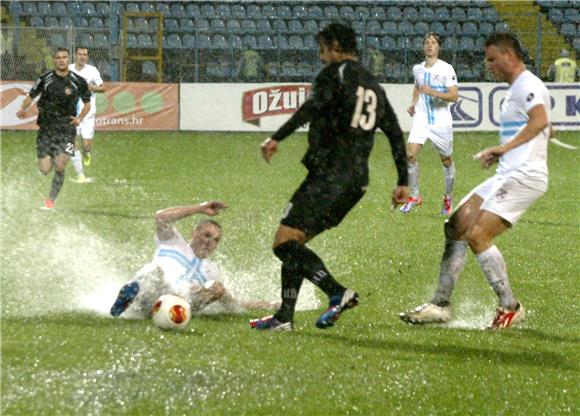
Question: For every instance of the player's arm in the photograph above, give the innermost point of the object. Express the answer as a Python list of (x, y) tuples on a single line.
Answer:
[(415, 98), (34, 91), (165, 218), (537, 122), (24, 106), (452, 94), (98, 85), (85, 96)]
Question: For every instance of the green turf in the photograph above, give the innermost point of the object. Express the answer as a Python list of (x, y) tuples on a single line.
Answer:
[(60, 357)]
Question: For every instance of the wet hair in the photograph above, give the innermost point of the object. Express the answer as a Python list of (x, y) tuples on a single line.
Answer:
[(81, 47), (202, 223), (60, 49), (505, 41), (342, 34), (434, 35)]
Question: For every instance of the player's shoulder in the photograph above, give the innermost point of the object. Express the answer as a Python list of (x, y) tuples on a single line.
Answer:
[(445, 65), (529, 81), (418, 67)]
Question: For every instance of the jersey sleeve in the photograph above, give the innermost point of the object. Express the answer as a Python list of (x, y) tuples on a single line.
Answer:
[(451, 78), (97, 78), (531, 95), (36, 87)]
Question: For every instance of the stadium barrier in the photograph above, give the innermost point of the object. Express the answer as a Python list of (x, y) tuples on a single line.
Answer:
[(265, 107)]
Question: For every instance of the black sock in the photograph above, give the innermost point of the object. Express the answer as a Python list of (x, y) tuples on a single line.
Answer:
[(291, 282), (308, 264), (57, 182)]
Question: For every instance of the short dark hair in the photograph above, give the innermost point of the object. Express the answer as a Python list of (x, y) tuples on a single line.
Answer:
[(342, 34), (505, 41), (435, 35), (81, 47), (201, 223), (60, 49)]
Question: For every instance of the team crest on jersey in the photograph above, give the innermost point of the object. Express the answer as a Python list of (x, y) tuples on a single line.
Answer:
[(67, 91), (530, 97)]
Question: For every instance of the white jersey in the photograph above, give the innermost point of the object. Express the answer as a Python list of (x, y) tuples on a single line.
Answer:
[(181, 268), (528, 161), (430, 110), (92, 75)]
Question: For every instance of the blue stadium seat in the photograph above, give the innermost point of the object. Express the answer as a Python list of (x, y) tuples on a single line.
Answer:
[(417, 44), (295, 26), (59, 9), (299, 12), (406, 28), (164, 8), (576, 44), (238, 11), (403, 43), (310, 26), (265, 42), (147, 8), (248, 25), (555, 15), (362, 13), (347, 13), (466, 44), (149, 69), (145, 41), (480, 42), (388, 42), (202, 41), (437, 27), (249, 41), (373, 42), (272, 70), (36, 21), (223, 11), (217, 25), (282, 42), (85, 39), (358, 26), (485, 28), (170, 25), (410, 14), (571, 15), (66, 21), (390, 27), (207, 11), (502, 27), (82, 22), (458, 14), (51, 21), (453, 28), (129, 7), (233, 26), (426, 14), (310, 42), (177, 10), (188, 41), (219, 41), (101, 40), (470, 29), (187, 25), (295, 42), (331, 12), (253, 11), (374, 27), (29, 8), (421, 28), (132, 40), (394, 13), (88, 10), (44, 9), (268, 11), (280, 26), (57, 39), (236, 42), (474, 14), (200, 24), (96, 22), (315, 12), (568, 29), (289, 70), (141, 25), (451, 43), (490, 14), (378, 13), (284, 11), (442, 14), (192, 11), (263, 25)]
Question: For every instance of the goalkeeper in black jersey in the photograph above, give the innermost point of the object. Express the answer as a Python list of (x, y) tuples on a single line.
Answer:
[(344, 109)]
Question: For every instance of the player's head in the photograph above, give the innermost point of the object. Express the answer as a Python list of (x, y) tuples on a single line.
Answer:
[(61, 58), (503, 55), (81, 55), (432, 44), (205, 238), (337, 42)]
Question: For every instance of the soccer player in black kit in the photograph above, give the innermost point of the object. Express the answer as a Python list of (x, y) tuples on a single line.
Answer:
[(345, 107), (59, 91)]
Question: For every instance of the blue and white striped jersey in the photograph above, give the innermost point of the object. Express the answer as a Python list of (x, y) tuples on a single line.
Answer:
[(429, 110)]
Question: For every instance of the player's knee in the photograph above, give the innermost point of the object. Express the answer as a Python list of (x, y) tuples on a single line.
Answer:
[(411, 159), (285, 250), (218, 290)]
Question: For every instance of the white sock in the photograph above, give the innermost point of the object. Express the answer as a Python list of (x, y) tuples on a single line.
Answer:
[(77, 162), (493, 266), (449, 175), (414, 179), (452, 263)]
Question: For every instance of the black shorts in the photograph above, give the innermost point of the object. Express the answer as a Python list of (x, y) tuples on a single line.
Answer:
[(321, 203), (54, 140)]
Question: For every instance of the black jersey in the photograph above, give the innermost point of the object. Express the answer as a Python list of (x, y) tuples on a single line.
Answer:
[(60, 95), (344, 109)]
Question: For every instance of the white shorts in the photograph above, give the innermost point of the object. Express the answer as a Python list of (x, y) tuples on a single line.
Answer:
[(87, 127), (505, 196), (441, 137)]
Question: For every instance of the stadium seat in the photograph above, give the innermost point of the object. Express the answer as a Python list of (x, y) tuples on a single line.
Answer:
[(56, 40), (362, 13), (388, 42), (406, 28), (417, 44), (410, 14), (289, 70), (223, 11), (59, 9), (426, 14), (207, 11), (347, 13), (96, 22), (282, 42), (299, 12), (568, 29), (141, 25), (390, 27), (36, 21), (490, 15), (149, 69), (576, 44), (217, 25), (164, 8), (268, 11), (253, 11), (238, 11), (44, 9), (236, 42), (130, 7), (310, 42), (219, 41), (474, 14), (248, 26), (170, 25), (187, 25), (421, 28), (66, 21), (394, 13), (403, 43), (265, 42), (373, 42), (571, 15), (193, 11), (202, 41), (29, 9), (200, 24), (310, 26), (263, 25), (295, 42), (188, 41), (132, 40), (437, 27), (82, 22), (358, 26), (249, 41), (101, 40), (378, 13), (147, 8), (502, 27), (315, 12), (233, 26), (458, 14), (451, 43), (374, 27), (331, 12), (453, 28), (218, 71), (51, 21), (144, 40), (272, 70), (442, 14), (466, 44), (485, 28), (470, 29), (85, 39), (177, 10), (295, 26), (284, 12)]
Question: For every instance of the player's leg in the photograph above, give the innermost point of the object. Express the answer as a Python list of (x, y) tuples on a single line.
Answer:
[(140, 293), (77, 159), (443, 143), (60, 161), (88, 132), (417, 138)]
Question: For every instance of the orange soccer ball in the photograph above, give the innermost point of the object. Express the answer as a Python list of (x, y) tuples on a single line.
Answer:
[(171, 312)]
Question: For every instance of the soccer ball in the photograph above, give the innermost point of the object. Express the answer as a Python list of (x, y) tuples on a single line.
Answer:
[(171, 312)]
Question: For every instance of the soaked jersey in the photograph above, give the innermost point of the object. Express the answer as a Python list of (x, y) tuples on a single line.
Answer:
[(344, 109), (528, 160), (92, 76), (58, 97), (430, 110), (181, 268)]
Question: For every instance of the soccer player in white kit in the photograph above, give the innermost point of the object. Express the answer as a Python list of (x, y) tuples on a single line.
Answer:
[(435, 89), (86, 130), (497, 204), (180, 268)]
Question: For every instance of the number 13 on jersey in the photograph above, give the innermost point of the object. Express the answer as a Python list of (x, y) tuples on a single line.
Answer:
[(368, 99)]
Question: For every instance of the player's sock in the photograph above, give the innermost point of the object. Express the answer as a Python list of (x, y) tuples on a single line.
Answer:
[(493, 266), (77, 161), (308, 264), (452, 263), (57, 181), (414, 178), (291, 282), (449, 175)]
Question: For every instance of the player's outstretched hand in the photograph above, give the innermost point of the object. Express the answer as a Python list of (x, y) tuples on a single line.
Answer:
[(213, 207), (489, 156), (269, 147), (411, 110), (400, 196)]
